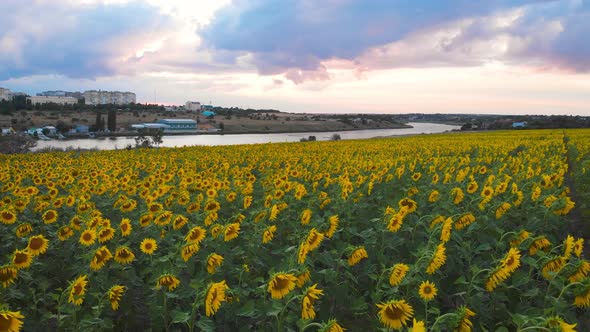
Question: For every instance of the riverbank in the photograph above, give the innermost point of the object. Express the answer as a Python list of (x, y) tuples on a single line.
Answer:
[(113, 143), (289, 130)]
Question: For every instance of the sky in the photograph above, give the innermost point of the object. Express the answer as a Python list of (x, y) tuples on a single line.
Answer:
[(313, 56)]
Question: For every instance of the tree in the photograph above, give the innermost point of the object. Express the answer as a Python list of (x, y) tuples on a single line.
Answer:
[(112, 120), (149, 138), (62, 127)]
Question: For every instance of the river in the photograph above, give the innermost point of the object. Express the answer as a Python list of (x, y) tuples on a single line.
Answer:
[(234, 139)]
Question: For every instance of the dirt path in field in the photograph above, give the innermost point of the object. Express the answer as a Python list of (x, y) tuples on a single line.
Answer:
[(577, 225)]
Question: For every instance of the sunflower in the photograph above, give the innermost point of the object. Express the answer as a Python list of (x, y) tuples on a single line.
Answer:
[(124, 255), (408, 205), (457, 194), (50, 216), (416, 176), (155, 207), (193, 207), (581, 272), (281, 284), (216, 230), (76, 222), (230, 197), (539, 244), (464, 221), (195, 235), (231, 232), (553, 267), (163, 218), (302, 278), (179, 222), (8, 275), (568, 246), (268, 234), (212, 206), (433, 197), (579, 247), (417, 326), (502, 209), (395, 314), (146, 219), (101, 256), (398, 273), (214, 297), (38, 245), (213, 262), (437, 220), (357, 255), (23, 230), (536, 193), (549, 201), (70, 200), (260, 216), (88, 237), (148, 246), (247, 201), (311, 295), (445, 235), (106, 234), (314, 239), (125, 227), (522, 235), (558, 322), (333, 220), (472, 187), (188, 250), (465, 324), (64, 233), (508, 265), (10, 321), (114, 294), (22, 259), (167, 280), (582, 300), (78, 290), (332, 326), (7, 217), (438, 259), (427, 290), (487, 192)]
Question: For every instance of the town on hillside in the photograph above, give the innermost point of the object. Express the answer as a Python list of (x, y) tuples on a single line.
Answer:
[(62, 114)]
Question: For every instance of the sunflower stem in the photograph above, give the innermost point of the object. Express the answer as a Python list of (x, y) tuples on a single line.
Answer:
[(165, 313), (280, 315), (440, 318), (473, 278), (537, 328), (310, 325)]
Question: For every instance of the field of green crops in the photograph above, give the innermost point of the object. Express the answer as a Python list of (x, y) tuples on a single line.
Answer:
[(451, 232)]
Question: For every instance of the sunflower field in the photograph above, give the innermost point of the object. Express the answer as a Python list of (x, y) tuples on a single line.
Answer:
[(450, 232)]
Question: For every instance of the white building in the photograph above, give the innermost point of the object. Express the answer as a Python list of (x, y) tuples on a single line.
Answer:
[(49, 99), (194, 106), (94, 97), (5, 94)]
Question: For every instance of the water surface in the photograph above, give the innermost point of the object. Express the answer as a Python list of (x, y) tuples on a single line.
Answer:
[(234, 139)]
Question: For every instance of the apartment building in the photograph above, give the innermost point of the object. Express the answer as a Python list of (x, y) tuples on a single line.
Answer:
[(5, 94), (52, 99), (99, 97)]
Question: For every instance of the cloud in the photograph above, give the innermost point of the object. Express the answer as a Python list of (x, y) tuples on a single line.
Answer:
[(285, 35), (77, 40)]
